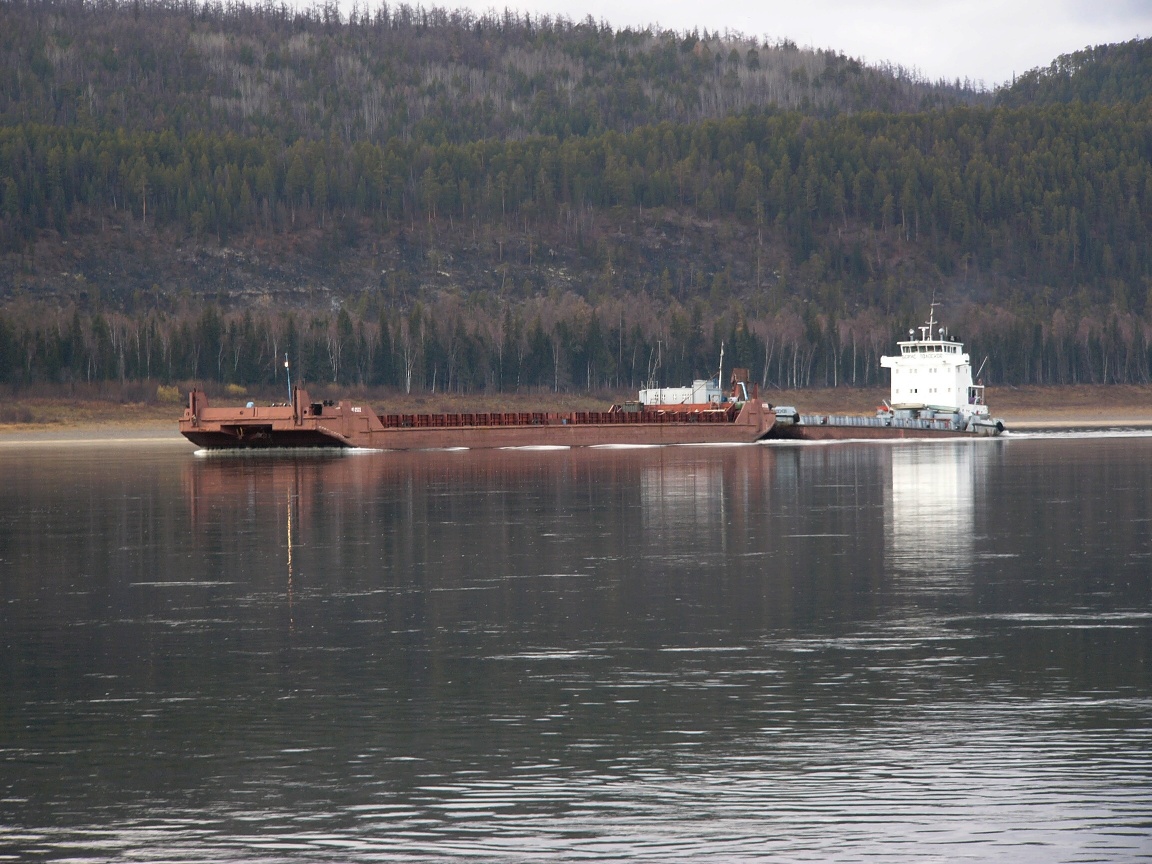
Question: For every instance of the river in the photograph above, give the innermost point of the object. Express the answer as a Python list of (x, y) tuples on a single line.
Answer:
[(883, 652)]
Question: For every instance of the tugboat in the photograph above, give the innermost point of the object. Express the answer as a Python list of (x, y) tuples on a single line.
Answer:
[(933, 396)]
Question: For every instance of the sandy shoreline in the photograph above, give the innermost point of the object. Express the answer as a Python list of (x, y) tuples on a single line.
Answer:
[(91, 434), (1022, 409)]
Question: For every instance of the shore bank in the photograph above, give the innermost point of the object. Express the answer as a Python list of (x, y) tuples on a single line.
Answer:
[(1021, 408)]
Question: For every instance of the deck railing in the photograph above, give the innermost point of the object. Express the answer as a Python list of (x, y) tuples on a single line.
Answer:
[(542, 418), (891, 422)]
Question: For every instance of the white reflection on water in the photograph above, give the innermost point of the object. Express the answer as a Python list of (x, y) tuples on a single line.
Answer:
[(929, 511)]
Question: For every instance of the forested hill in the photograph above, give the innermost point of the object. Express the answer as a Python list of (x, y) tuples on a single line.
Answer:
[(425, 199), (409, 73), (1105, 73)]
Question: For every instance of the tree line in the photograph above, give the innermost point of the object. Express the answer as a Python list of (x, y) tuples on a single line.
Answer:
[(562, 345), (1120, 72)]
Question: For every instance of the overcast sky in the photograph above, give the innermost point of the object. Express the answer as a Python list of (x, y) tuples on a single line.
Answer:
[(984, 40)]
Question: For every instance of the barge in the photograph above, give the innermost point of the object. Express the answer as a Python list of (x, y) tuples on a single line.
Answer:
[(932, 396), (701, 414)]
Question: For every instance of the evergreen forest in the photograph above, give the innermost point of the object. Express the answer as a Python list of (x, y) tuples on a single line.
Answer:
[(430, 200)]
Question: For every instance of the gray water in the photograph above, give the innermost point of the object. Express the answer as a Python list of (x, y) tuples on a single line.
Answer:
[(843, 652)]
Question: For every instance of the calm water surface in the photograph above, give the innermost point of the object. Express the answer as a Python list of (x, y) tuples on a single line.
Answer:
[(849, 652)]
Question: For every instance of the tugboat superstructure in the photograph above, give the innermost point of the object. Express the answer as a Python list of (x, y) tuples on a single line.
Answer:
[(932, 395), (932, 376)]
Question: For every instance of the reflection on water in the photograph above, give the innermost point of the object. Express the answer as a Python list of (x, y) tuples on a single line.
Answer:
[(929, 523), (683, 498), (674, 654)]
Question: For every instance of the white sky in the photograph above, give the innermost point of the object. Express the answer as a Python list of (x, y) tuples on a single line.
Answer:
[(984, 40)]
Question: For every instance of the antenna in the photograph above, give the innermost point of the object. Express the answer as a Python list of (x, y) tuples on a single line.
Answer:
[(931, 315)]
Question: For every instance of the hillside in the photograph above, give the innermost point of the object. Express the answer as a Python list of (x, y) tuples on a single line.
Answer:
[(186, 191), (415, 74), (1104, 73)]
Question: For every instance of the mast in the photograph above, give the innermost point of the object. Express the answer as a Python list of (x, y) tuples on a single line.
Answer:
[(926, 329), (720, 374)]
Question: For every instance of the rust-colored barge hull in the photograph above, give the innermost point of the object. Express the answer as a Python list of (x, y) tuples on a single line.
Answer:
[(314, 424)]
